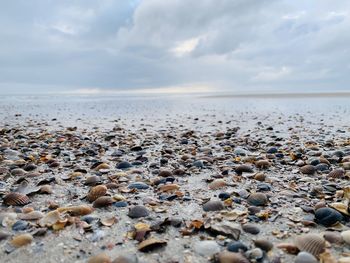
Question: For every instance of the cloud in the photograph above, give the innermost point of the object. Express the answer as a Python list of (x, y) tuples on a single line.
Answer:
[(233, 45)]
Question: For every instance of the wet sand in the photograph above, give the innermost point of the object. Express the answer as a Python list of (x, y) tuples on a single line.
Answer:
[(182, 152)]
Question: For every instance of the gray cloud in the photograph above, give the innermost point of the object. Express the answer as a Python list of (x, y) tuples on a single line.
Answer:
[(235, 45)]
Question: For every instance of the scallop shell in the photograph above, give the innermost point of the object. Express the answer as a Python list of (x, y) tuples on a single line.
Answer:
[(150, 244), (103, 201), (216, 184), (21, 240), (257, 199), (96, 192), (230, 257), (337, 173), (14, 198), (311, 243), (79, 210), (101, 258), (308, 169)]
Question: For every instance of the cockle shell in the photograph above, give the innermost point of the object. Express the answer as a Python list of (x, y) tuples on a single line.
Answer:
[(14, 198), (337, 173), (311, 243)]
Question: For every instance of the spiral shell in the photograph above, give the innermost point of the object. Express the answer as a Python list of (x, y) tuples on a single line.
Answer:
[(96, 192), (336, 173), (312, 243), (15, 198), (230, 257), (308, 169)]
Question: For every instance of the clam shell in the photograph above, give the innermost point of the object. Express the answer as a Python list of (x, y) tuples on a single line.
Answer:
[(126, 259), (243, 168), (260, 177), (34, 215), (213, 206), (50, 219), (103, 201), (305, 257), (96, 192), (14, 198), (327, 216), (169, 187), (216, 184), (308, 169), (257, 199), (264, 244), (337, 173), (251, 229), (101, 258), (138, 211), (230, 257), (79, 210), (311, 243), (102, 166), (151, 244), (92, 180), (21, 240), (346, 236)]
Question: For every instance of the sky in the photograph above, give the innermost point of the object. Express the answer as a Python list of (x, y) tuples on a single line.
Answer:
[(239, 46)]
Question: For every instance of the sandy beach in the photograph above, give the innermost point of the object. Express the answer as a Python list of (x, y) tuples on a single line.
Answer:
[(173, 179)]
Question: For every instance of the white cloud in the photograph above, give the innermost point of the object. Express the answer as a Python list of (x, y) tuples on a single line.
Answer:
[(185, 47)]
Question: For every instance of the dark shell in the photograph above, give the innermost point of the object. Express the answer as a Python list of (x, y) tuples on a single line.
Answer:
[(308, 169), (103, 201), (236, 246), (264, 244), (138, 185), (327, 216), (165, 173), (96, 192), (15, 199), (138, 211), (92, 180), (311, 243), (257, 199), (251, 229), (337, 173), (243, 168), (124, 165), (230, 257), (213, 206)]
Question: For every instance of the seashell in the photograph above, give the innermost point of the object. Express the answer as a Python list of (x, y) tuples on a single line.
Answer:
[(236, 246), (92, 180), (169, 187), (217, 183), (262, 164), (4, 235), (96, 192), (18, 172), (311, 243), (337, 173), (344, 260), (230, 257), (151, 244), (102, 166), (34, 215), (229, 229), (243, 168), (46, 189), (308, 169), (50, 219), (103, 201), (101, 258), (126, 259), (346, 236), (165, 173), (341, 207), (305, 257), (327, 216), (255, 254), (109, 221), (264, 244), (123, 165), (257, 199), (334, 237), (14, 198), (260, 177), (288, 247), (213, 206), (138, 185), (138, 211), (118, 197), (21, 240), (346, 165), (79, 210), (251, 229)]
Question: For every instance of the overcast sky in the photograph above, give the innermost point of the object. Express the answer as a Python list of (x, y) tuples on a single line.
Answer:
[(209, 45)]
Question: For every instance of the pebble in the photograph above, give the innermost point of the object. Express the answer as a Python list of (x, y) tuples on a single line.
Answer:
[(206, 248), (213, 206)]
